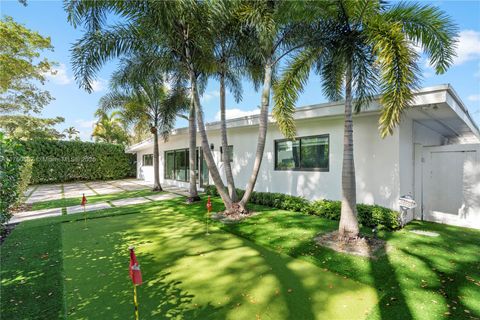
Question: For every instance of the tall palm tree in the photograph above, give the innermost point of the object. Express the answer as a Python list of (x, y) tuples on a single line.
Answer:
[(230, 62), (72, 133), (365, 48), (145, 98), (275, 27), (110, 128), (180, 35)]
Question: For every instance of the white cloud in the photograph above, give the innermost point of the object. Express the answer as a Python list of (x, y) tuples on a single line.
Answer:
[(59, 75), (85, 127), (210, 95), (237, 113), (468, 46), (81, 123), (98, 85), (474, 97)]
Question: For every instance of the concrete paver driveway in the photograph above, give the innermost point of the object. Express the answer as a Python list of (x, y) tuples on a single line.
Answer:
[(48, 192)]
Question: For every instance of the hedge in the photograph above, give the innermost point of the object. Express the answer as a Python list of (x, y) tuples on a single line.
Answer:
[(368, 215), (61, 161), (11, 166)]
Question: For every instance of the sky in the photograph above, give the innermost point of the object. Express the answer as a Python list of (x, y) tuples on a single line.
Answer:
[(78, 107)]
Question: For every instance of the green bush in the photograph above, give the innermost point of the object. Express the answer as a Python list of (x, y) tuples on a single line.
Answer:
[(11, 162), (368, 215), (60, 161), (24, 179)]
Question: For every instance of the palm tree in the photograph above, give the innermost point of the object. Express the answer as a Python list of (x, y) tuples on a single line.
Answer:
[(145, 98), (275, 27), (365, 48), (180, 35), (110, 128), (72, 133), (230, 62)]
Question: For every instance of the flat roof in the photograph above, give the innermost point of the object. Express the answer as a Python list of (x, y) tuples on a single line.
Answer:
[(425, 96)]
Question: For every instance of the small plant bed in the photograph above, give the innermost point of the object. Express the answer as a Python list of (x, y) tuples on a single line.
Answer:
[(364, 246), (232, 218)]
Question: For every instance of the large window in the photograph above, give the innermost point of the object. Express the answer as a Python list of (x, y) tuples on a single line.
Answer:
[(177, 165), (230, 153), (307, 154), (147, 160)]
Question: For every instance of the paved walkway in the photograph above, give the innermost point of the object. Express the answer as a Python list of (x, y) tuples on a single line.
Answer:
[(48, 192), (45, 213)]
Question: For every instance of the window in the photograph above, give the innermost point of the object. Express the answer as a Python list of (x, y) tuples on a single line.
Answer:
[(169, 164), (306, 153), (230, 153), (177, 165), (147, 160)]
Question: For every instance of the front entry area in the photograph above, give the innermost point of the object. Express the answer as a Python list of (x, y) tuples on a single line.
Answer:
[(450, 185)]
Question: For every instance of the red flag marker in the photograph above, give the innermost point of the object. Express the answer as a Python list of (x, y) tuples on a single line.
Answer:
[(135, 272), (136, 276), (84, 200), (209, 204)]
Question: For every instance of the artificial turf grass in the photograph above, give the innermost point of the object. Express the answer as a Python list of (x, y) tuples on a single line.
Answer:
[(31, 273), (67, 202), (224, 276), (404, 295)]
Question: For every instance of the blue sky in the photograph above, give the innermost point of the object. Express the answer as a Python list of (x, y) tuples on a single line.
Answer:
[(78, 107)]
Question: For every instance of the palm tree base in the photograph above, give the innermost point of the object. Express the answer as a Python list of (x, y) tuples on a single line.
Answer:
[(193, 199), (157, 188)]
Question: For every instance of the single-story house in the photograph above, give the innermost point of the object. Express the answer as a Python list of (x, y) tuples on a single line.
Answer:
[(433, 156)]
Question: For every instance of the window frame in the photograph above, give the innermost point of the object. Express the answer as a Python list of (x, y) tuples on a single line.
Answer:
[(319, 169), (187, 175), (143, 160), (221, 153)]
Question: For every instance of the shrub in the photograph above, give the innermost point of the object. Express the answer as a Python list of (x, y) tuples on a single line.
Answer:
[(24, 179), (368, 215), (11, 162), (60, 161)]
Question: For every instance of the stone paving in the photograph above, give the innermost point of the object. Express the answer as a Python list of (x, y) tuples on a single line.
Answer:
[(48, 192), (37, 214), (54, 192)]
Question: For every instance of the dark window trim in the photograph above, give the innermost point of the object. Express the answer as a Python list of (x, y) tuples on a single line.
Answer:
[(143, 160), (221, 153), (175, 164), (326, 169)]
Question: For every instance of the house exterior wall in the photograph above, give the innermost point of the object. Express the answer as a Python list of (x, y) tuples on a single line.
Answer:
[(377, 161)]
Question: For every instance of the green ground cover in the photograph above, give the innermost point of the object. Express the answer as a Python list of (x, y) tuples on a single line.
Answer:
[(266, 266), (67, 202)]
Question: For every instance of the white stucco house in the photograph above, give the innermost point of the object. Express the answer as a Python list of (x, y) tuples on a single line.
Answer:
[(434, 155)]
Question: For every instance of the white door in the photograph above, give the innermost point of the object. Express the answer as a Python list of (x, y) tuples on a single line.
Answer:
[(451, 185)]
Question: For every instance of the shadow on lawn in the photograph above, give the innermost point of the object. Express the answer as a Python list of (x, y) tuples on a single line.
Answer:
[(103, 290)]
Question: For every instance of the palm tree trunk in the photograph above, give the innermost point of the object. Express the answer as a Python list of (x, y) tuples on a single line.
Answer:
[(223, 131), (192, 132), (212, 167), (156, 162), (262, 135), (348, 227)]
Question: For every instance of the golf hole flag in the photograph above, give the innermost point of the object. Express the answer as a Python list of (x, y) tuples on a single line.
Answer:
[(84, 200), (135, 272), (209, 205)]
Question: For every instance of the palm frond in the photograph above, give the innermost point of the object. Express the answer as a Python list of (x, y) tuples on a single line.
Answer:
[(430, 28), (397, 60), (287, 89)]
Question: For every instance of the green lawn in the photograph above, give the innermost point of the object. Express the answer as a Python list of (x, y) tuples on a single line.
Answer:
[(266, 266), (67, 202)]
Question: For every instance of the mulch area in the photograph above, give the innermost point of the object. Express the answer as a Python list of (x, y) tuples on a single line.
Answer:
[(362, 246), (232, 218), (6, 231)]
